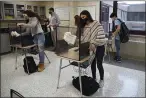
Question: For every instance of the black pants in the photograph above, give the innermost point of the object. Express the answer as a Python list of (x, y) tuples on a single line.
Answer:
[(99, 59)]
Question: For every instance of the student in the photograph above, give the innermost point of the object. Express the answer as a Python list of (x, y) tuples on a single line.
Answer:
[(34, 27), (116, 31), (54, 21), (94, 34)]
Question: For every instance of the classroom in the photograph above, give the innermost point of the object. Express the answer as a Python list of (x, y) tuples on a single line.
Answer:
[(72, 48)]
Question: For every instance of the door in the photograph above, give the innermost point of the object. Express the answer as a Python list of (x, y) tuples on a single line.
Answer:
[(105, 16)]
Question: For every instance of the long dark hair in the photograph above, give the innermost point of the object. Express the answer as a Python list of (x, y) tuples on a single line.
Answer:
[(32, 14), (85, 12), (77, 19)]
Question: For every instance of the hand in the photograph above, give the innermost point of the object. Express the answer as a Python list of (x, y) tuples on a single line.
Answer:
[(20, 24), (92, 47), (113, 34), (48, 26)]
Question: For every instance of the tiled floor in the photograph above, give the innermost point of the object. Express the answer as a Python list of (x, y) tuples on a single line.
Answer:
[(119, 81)]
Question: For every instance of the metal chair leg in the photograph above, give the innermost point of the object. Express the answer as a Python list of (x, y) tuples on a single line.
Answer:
[(47, 57), (16, 58), (59, 73)]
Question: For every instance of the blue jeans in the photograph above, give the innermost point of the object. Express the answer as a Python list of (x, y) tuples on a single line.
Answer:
[(39, 39), (117, 45)]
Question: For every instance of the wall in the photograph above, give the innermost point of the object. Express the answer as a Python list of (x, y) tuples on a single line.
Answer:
[(73, 8), (136, 8)]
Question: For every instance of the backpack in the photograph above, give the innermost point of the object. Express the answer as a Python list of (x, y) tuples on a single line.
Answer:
[(31, 65), (89, 85), (124, 32)]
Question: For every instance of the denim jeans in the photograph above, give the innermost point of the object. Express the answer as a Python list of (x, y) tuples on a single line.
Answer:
[(117, 45), (39, 39)]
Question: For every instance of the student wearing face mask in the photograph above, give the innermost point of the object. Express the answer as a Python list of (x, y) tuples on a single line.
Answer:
[(34, 27), (54, 22), (93, 32)]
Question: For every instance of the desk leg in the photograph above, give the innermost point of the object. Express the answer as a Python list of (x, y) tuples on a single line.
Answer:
[(59, 73), (47, 57), (109, 53), (80, 81), (25, 51), (16, 58)]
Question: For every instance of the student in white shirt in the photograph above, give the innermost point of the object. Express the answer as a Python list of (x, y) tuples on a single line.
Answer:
[(54, 22)]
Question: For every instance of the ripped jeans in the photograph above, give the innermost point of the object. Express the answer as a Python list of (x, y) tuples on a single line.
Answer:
[(39, 39)]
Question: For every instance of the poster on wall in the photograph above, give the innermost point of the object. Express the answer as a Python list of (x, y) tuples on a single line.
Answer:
[(63, 13)]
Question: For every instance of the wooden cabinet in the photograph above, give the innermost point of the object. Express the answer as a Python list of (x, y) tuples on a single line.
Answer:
[(8, 11), (19, 9), (12, 11)]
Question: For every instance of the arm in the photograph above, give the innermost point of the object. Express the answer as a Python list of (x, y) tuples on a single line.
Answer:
[(117, 30), (57, 20), (117, 24), (26, 33), (99, 37), (33, 23)]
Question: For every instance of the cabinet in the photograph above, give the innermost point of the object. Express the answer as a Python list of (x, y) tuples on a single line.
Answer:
[(8, 11), (42, 11), (12, 11), (19, 9), (4, 43), (29, 7)]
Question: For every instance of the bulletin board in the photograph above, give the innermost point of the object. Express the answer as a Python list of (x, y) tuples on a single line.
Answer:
[(63, 13), (91, 9)]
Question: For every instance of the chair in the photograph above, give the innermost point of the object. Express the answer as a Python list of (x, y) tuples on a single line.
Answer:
[(15, 94)]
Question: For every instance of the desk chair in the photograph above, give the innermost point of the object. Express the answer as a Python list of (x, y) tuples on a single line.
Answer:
[(15, 94)]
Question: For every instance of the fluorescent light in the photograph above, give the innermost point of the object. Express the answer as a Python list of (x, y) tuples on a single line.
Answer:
[(132, 2)]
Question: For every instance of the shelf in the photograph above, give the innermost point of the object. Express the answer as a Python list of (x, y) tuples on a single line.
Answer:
[(9, 8)]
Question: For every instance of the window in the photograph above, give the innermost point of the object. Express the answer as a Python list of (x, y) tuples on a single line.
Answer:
[(136, 16)]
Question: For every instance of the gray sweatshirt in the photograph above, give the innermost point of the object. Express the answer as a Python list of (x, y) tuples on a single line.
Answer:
[(33, 27)]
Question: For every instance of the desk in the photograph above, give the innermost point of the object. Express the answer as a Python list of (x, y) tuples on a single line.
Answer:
[(74, 56), (16, 46)]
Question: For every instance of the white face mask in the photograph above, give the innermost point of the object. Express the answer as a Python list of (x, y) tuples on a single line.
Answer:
[(25, 16)]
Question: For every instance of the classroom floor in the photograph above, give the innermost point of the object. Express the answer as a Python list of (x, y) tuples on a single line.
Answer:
[(119, 81)]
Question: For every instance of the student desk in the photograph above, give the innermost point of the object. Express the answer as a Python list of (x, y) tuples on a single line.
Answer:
[(19, 46), (71, 55)]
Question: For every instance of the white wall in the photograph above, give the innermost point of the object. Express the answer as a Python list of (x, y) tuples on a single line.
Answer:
[(73, 7)]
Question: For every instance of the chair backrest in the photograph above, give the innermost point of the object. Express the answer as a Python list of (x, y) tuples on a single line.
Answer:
[(15, 94)]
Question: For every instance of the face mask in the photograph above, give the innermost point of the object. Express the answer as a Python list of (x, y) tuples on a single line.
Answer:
[(25, 16), (50, 12), (83, 22)]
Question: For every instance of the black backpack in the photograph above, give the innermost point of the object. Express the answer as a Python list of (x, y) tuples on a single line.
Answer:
[(89, 85), (31, 65), (124, 32)]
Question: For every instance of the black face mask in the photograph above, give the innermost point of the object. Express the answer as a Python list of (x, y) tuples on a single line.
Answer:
[(50, 13), (83, 22)]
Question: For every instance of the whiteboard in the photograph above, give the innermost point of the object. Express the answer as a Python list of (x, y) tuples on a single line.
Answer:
[(63, 13), (91, 9)]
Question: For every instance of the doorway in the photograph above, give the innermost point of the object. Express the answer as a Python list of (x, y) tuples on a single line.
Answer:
[(104, 16)]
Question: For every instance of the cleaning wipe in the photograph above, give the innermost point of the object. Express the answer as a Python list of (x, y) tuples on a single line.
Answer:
[(69, 38)]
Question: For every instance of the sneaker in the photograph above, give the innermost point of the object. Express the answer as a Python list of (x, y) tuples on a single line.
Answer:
[(41, 67), (101, 83), (118, 60)]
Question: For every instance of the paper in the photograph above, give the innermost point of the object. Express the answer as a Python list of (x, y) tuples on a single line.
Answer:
[(69, 38), (52, 29)]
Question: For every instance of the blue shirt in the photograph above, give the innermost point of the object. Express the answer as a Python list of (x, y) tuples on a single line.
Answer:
[(117, 22)]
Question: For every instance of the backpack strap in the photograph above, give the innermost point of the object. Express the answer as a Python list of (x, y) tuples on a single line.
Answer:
[(120, 20)]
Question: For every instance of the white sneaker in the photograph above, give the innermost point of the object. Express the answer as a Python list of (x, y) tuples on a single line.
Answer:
[(101, 83)]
